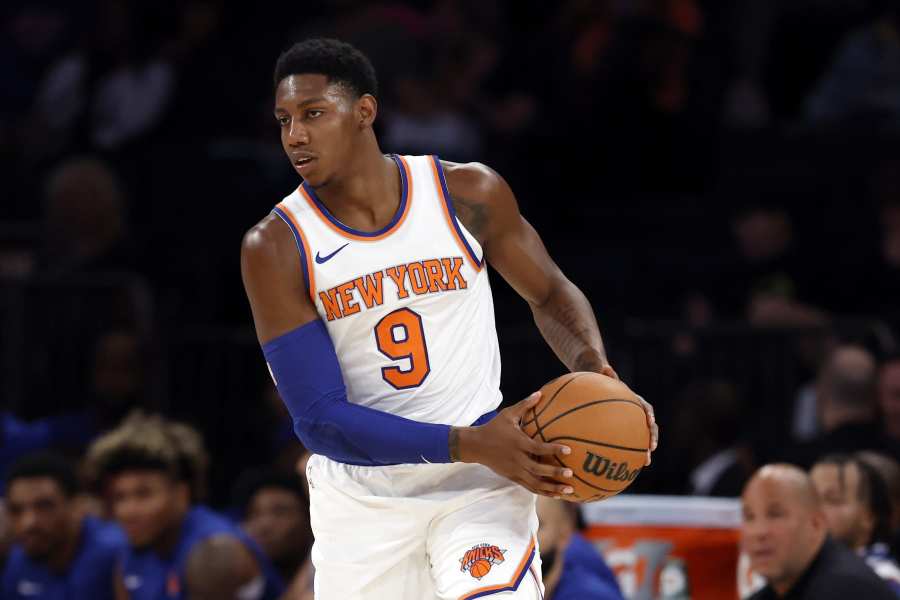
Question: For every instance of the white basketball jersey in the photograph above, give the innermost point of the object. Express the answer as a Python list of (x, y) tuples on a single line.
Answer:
[(409, 308)]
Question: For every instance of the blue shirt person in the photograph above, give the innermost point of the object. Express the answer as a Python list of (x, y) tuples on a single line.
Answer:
[(59, 554), (572, 568), (152, 471)]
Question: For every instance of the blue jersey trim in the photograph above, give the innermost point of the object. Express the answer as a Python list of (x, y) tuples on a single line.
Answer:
[(297, 240), (404, 198), (450, 209)]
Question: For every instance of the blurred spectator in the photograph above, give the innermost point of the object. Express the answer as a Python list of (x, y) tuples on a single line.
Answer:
[(706, 442), (431, 113), (112, 90), (785, 535), (151, 473), (85, 222), (118, 378), (19, 438), (889, 470), (858, 511), (772, 281), (59, 552), (889, 396), (864, 81), (572, 568), (274, 510), (846, 407)]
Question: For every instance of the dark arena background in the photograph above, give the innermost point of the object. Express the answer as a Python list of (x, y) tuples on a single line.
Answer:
[(720, 177)]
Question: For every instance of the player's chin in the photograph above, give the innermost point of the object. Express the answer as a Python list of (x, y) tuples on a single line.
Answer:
[(311, 172)]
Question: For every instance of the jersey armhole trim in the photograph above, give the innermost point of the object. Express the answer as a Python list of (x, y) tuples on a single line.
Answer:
[(450, 214), (285, 214)]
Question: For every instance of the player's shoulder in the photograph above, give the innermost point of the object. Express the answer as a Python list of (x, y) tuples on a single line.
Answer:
[(104, 534), (473, 180), (267, 243)]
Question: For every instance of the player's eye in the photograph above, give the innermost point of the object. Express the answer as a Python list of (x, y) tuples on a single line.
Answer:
[(314, 113), (283, 120)]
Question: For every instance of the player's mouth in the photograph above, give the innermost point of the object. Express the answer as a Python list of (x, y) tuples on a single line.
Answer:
[(303, 163), (760, 555)]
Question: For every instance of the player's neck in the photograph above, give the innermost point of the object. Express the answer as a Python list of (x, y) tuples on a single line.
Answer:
[(168, 540), (366, 197), (63, 555)]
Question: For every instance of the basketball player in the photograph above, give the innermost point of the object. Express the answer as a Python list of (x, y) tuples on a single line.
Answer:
[(150, 471), (59, 553), (370, 296)]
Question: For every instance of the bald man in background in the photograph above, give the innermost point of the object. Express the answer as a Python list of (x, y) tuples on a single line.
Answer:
[(785, 535)]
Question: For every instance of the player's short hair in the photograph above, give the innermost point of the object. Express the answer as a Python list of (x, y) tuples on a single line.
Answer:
[(338, 61), (251, 482), (45, 464), (150, 443)]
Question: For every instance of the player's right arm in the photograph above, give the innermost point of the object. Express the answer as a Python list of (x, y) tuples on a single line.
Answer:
[(307, 374)]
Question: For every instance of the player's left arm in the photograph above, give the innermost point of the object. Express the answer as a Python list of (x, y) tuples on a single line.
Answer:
[(486, 205)]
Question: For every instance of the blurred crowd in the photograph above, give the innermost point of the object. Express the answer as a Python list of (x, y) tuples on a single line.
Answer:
[(721, 178)]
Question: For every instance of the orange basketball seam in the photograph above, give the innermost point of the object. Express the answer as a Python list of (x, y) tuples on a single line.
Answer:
[(561, 388), (550, 401), (592, 403)]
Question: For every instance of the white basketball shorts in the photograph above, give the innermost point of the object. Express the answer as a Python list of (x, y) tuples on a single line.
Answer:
[(421, 532)]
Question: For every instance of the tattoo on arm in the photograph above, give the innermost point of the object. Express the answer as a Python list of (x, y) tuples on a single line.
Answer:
[(568, 324), (453, 443), (472, 214)]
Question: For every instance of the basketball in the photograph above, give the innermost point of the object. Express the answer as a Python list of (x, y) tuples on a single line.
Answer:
[(604, 424), (480, 568)]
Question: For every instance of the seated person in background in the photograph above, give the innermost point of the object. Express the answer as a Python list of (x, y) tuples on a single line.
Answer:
[(857, 511), (572, 568), (786, 537), (889, 469), (274, 509), (846, 405), (150, 472), (59, 553)]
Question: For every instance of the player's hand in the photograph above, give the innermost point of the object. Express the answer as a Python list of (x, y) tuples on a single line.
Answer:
[(503, 447), (648, 409)]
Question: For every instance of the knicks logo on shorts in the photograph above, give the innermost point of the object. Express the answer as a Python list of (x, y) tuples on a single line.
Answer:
[(479, 560)]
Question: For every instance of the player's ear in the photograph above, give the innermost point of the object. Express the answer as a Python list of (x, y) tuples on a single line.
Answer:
[(366, 109)]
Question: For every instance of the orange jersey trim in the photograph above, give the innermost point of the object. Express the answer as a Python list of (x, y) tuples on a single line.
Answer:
[(310, 275)]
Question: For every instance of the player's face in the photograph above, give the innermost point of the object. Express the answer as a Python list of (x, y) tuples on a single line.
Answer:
[(41, 515), (318, 125), (276, 519), (147, 504), (848, 519), (778, 530)]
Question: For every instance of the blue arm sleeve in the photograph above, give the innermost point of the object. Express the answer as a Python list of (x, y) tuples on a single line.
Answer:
[(308, 377)]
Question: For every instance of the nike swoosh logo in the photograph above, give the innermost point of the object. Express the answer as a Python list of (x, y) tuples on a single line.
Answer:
[(324, 259)]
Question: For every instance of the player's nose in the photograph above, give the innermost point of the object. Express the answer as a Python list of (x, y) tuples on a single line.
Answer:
[(297, 134)]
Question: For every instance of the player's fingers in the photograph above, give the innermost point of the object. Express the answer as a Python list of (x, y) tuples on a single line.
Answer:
[(545, 487), (548, 471), (654, 428), (537, 448), (518, 410), (609, 372)]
